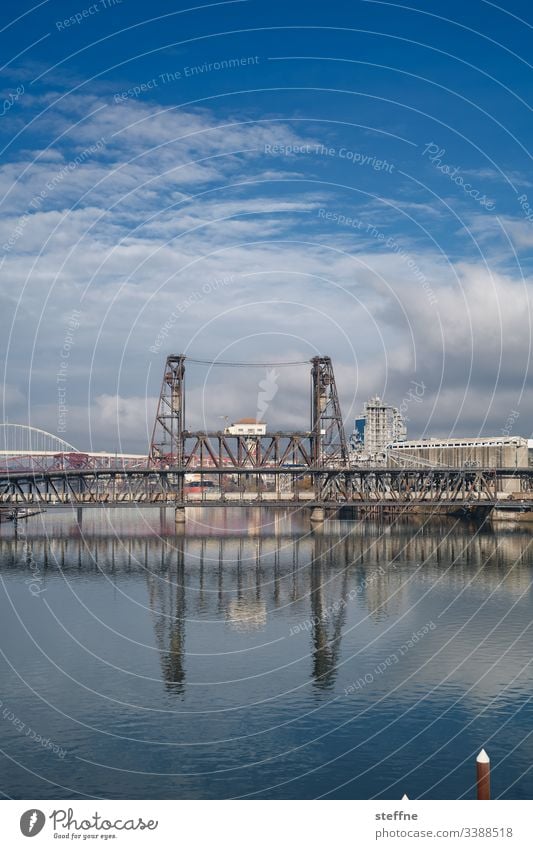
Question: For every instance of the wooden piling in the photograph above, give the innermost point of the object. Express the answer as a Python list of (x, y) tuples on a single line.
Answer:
[(483, 775)]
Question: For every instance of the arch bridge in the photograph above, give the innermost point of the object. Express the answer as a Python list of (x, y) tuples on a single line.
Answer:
[(24, 448)]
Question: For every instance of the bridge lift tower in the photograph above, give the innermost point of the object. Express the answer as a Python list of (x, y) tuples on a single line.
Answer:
[(327, 439), (329, 447), (167, 443)]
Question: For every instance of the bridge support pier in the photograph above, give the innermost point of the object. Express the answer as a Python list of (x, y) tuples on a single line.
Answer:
[(79, 515), (318, 514), (179, 516)]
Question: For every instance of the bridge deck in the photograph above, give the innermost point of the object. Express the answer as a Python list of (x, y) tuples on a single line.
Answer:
[(270, 486)]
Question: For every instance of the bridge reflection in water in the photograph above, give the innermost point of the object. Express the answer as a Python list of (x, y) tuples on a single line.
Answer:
[(248, 570), (255, 653)]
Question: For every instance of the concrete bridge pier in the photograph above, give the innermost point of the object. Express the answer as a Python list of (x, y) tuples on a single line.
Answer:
[(79, 515), (318, 514), (180, 517)]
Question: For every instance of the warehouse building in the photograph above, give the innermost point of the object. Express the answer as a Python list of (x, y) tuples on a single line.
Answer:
[(494, 452), (497, 452)]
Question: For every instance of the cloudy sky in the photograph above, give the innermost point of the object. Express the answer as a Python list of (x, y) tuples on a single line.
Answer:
[(252, 181)]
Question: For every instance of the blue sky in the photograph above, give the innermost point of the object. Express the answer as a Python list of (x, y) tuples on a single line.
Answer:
[(265, 181)]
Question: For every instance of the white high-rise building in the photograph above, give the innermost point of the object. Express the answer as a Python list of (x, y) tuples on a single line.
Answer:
[(377, 426)]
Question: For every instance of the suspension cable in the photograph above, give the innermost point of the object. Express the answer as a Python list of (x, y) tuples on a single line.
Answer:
[(247, 365)]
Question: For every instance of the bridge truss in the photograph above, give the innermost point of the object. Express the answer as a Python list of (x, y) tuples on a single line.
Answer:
[(318, 486)]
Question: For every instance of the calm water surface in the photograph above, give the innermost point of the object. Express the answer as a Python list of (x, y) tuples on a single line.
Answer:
[(252, 656)]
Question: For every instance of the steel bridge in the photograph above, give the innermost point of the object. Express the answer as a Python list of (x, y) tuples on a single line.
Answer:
[(268, 485), (221, 468)]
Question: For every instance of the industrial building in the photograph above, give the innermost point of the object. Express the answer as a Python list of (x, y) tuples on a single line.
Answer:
[(496, 452)]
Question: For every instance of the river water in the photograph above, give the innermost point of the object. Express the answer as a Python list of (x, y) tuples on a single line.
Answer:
[(251, 655)]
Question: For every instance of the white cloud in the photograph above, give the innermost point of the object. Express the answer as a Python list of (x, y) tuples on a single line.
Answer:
[(134, 233)]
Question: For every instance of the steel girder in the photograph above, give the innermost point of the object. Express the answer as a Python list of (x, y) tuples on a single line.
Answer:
[(329, 486)]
